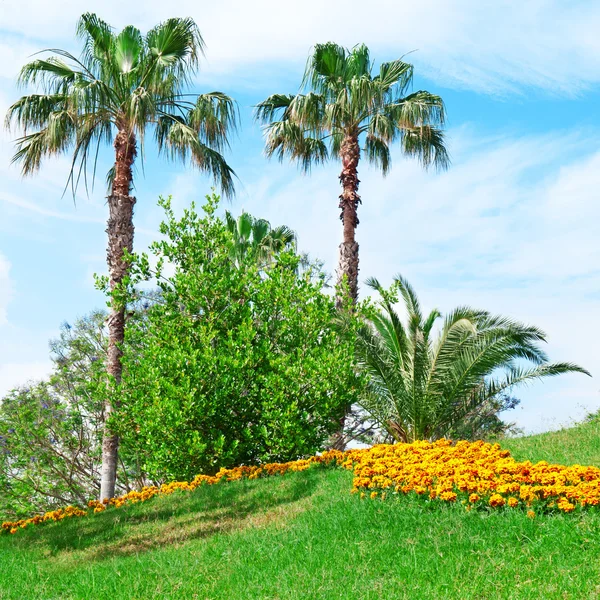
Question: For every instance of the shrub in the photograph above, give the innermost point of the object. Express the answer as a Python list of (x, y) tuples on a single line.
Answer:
[(236, 363)]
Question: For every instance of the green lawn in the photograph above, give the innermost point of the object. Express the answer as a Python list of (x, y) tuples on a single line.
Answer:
[(303, 536)]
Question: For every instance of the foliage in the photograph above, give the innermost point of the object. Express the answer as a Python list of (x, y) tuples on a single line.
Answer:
[(256, 237), (126, 82), (50, 431), (425, 386), (235, 364), (248, 539), (344, 99), (482, 474)]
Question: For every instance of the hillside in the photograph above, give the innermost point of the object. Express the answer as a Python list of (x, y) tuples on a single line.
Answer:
[(305, 536)]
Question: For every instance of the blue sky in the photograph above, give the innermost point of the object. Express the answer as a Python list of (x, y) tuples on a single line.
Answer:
[(512, 227)]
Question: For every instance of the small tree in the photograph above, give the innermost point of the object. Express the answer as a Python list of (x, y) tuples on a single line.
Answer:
[(423, 385), (347, 111), (235, 364), (51, 431)]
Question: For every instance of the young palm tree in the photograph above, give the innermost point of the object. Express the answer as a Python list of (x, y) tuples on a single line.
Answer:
[(421, 384), (256, 237), (122, 86), (345, 110)]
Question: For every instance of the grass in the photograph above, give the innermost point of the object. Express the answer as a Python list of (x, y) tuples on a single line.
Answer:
[(303, 536), (579, 444)]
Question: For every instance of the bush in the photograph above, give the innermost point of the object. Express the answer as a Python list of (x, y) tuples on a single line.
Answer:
[(235, 363)]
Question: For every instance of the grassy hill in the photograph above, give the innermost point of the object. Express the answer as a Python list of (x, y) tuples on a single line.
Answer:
[(304, 536)]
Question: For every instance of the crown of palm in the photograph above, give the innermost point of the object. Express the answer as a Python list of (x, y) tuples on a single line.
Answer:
[(344, 99), (257, 238), (421, 383), (123, 81)]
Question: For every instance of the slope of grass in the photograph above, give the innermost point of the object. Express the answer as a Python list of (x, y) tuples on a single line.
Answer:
[(303, 536), (573, 445)]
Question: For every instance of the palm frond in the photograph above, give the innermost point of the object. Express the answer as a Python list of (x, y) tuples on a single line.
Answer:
[(415, 110), (421, 389), (395, 73), (127, 49), (180, 141), (98, 38), (326, 68), (378, 153), (285, 138), (358, 63), (214, 117), (34, 110), (176, 45), (427, 144), (273, 108)]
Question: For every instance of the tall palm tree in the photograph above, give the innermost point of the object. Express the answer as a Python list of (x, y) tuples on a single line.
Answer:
[(422, 383), (345, 110), (122, 86), (256, 237)]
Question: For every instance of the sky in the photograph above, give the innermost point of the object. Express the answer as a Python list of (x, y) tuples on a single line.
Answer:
[(511, 227)]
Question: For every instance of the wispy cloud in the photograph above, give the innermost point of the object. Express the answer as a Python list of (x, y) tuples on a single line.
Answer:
[(494, 47), (40, 210), (6, 288)]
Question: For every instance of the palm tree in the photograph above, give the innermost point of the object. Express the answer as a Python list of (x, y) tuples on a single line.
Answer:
[(345, 110), (122, 86), (423, 385), (256, 237)]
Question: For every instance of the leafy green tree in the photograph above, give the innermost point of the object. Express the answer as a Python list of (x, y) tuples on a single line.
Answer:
[(122, 86), (426, 385), (346, 110), (51, 431), (234, 364), (257, 238)]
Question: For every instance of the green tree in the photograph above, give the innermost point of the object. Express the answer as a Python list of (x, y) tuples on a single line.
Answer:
[(423, 385), (345, 110), (234, 364), (256, 237), (51, 431), (122, 86)]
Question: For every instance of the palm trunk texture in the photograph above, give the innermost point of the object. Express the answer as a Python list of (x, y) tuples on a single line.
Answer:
[(120, 237), (349, 201), (348, 257)]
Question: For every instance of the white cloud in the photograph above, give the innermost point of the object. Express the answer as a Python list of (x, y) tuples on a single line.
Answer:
[(490, 47), (6, 288)]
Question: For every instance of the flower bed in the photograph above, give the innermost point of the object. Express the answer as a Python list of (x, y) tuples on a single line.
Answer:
[(149, 492), (478, 474)]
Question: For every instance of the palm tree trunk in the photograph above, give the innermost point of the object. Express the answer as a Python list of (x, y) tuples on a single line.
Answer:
[(348, 257), (349, 201), (120, 237)]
